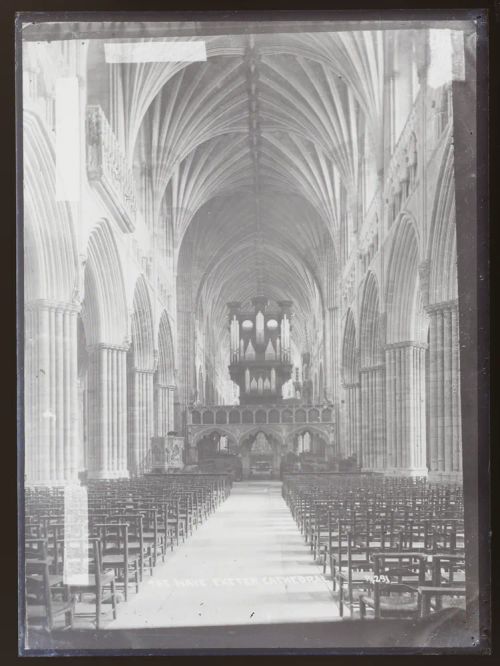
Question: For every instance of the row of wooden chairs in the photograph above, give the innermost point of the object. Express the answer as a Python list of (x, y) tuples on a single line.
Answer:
[(106, 547), (393, 547)]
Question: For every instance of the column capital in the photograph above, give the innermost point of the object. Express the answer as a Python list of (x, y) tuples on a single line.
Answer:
[(349, 385), (47, 304), (405, 345), (143, 371), (106, 345), (369, 368), (434, 308), (160, 385)]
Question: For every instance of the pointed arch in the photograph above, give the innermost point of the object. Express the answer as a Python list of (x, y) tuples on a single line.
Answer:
[(442, 252), (166, 355), (276, 438), (105, 313), (350, 355), (406, 319), (50, 248), (215, 428), (369, 325), (142, 327)]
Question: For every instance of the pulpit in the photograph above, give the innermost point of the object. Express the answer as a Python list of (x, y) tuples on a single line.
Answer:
[(167, 453)]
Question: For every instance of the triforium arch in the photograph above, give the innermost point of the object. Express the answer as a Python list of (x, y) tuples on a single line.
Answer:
[(407, 327), (445, 423), (351, 443), (372, 378), (106, 324), (51, 301), (141, 368), (165, 379)]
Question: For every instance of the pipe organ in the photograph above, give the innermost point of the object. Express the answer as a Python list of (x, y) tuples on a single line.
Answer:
[(260, 358)]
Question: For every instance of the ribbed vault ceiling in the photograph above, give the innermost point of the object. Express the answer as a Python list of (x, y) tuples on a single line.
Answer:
[(250, 153)]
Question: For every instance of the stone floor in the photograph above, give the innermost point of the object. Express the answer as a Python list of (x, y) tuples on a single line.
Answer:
[(246, 564)]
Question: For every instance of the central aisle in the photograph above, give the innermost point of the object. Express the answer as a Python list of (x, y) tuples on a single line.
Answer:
[(246, 564)]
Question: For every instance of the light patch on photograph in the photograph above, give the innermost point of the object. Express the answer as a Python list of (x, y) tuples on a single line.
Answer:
[(130, 52), (67, 139), (446, 57), (76, 536)]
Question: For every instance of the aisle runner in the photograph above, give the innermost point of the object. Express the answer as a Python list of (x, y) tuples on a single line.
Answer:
[(247, 564)]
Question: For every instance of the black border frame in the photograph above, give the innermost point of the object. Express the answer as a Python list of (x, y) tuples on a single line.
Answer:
[(475, 325)]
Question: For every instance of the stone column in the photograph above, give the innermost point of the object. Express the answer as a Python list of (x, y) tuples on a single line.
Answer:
[(445, 426), (332, 374), (405, 408), (373, 439), (107, 395), (164, 410), (51, 393), (186, 327), (171, 413), (140, 418), (352, 429), (333, 368)]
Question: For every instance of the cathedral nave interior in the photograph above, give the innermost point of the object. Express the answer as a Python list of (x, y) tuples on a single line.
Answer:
[(241, 299)]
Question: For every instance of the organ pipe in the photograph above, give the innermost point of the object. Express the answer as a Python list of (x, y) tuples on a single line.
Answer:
[(259, 328)]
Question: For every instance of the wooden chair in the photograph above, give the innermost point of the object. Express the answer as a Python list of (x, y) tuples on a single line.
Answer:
[(100, 582), (319, 538), (339, 539), (392, 591), (185, 514), (46, 603), (35, 548), (152, 536), (354, 572), (427, 592), (116, 555), (448, 573), (137, 545), (448, 569)]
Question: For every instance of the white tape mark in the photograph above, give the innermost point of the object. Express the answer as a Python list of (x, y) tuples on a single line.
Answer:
[(76, 536), (446, 56), (123, 52), (67, 139)]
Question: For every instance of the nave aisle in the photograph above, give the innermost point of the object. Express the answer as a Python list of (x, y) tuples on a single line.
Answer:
[(247, 564)]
